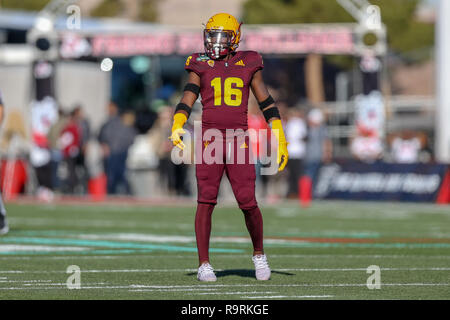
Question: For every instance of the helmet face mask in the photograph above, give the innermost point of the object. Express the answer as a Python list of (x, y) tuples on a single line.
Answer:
[(218, 43)]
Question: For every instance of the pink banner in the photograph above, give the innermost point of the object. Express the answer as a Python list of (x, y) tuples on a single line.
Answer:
[(265, 40)]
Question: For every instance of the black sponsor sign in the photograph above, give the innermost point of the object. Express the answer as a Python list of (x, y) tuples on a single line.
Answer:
[(380, 181)]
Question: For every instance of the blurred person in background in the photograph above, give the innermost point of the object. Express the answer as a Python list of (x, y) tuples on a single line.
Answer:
[(112, 121), (116, 136), (158, 139), (70, 142), (55, 149), (296, 133), (173, 177), (3, 222), (256, 121), (318, 146), (44, 113), (85, 135), (406, 147), (366, 146)]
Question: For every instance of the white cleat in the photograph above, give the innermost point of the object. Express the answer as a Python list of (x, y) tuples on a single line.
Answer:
[(4, 230), (262, 269), (206, 273), (3, 225)]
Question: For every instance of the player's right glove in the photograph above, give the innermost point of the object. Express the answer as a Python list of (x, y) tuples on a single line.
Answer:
[(179, 119), (282, 152)]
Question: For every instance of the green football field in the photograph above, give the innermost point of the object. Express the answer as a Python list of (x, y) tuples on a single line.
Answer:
[(127, 251)]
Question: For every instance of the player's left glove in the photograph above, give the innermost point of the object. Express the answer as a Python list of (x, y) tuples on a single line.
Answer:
[(179, 119), (282, 152)]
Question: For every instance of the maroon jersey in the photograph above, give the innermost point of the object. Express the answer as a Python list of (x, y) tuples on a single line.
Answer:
[(224, 87)]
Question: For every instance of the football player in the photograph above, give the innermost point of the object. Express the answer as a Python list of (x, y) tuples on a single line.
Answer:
[(223, 77), (3, 223)]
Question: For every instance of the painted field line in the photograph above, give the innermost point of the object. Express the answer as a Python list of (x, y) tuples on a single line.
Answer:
[(195, 270), (387, 245), (236, 292), (270, 240), (29, 248), (231, 256), (176, 290), (86, 256), (174, 239), (101, 271), (29, 282), (107, 244), (59, 284), (89, 223), (357, 256), (280, 297), (143, 287), (283, 285), (364, 269)]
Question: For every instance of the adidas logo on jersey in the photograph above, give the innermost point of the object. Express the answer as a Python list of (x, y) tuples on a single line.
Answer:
[(240, 63)]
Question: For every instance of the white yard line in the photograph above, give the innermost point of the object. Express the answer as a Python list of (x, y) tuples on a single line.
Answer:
[(230, 256), (364, 269), (67, 257), (106, 223), (139, 288), (137, 237), (27, 282), (19, 247), (393, 256), (280, 297), (236, 292), (60, 284), (220, 270), (177, 239), (174, 290), (103, 271)]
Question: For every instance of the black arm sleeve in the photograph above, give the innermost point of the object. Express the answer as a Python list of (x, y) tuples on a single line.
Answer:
[(183, 107), (271, 113), (264, 104), (192, 87)]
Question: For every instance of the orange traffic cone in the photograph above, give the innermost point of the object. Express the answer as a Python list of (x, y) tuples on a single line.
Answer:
[(97, 187), (305, 191), (13, 176), (444, 193)]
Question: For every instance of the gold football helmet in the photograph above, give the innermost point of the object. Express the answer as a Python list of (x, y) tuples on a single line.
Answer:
[(221, 35)]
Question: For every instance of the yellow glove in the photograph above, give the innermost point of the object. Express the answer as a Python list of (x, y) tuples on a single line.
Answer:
[(282, 152), (179, 119)]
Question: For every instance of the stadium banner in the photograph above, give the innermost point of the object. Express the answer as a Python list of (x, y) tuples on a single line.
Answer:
[(380, 181), (334, 39)]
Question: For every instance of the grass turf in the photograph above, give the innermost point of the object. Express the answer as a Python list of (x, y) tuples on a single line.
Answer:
[(135, 252)]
